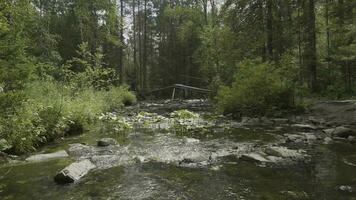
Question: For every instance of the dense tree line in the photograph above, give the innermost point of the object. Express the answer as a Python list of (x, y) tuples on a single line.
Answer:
[(198, 41), (152, 43)]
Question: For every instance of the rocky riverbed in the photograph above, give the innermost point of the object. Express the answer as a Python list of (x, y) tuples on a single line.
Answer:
[(182, 150)]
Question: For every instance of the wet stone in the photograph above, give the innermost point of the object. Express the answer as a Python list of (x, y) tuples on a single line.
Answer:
[(346, 188), (283, 152), (343, 132), (74, 172), (295, 195), (304, 126), (280, 120), (47, 156), (80, 150), (254, 157), (104, 142)]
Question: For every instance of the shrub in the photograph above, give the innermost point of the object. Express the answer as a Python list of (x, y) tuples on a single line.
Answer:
[(116, 97), (46, 110), (257, 89), (184, 114)]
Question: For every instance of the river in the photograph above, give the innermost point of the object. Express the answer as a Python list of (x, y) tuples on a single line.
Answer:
[(201, 160)]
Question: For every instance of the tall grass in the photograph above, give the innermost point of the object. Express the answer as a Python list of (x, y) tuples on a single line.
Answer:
[(47, 110)]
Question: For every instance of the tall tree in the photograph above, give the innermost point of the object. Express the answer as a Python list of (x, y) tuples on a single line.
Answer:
[(310, 43)]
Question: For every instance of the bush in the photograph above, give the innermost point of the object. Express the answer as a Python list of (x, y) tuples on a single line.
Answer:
[(258, 88), (46, 110)]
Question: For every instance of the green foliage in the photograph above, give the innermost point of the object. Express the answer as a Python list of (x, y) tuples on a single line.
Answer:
[(258, 88), (47, 110), (87, 70), (184, 114)]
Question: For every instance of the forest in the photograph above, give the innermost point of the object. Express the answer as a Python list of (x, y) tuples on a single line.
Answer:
[(64, 63)]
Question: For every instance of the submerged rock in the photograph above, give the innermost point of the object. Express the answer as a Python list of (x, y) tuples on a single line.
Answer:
[(47, 156), (295, 195), (74, 172), (104, 142)]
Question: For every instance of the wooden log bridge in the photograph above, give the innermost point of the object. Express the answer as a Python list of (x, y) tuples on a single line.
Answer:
[(185, 88)]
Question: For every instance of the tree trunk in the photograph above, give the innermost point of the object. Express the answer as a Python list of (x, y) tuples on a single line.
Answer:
[(310, 51), (300, 59), (144, 61), (269, 23), (134, 43), (140, 45), (121, 60), (205, 7)]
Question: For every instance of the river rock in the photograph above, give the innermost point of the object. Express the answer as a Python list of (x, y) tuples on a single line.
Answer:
[(104, 142), (329, 131), (304, 126), (352, 139), (345, 188), (327, 140), (80, 150), (250, 121), (266, 121), (280, 120), (343, 132), (316, 121), (294, 138), (254, 157), (283, 152), (191, 140), (47, 156), (74, 172), (295, 195)]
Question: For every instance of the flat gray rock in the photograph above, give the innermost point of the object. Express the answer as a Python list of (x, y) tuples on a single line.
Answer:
[(254, 157), (304, 126), (74, 172), (47, 156)]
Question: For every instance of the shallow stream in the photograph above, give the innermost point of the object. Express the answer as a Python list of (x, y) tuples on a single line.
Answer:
[(156, 170)]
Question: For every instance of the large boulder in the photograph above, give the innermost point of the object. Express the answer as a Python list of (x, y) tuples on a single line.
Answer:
[(74, 172), (104, 142), (47, 156)]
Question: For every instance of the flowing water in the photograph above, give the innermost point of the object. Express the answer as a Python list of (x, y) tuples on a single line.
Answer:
[(162, 164)]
